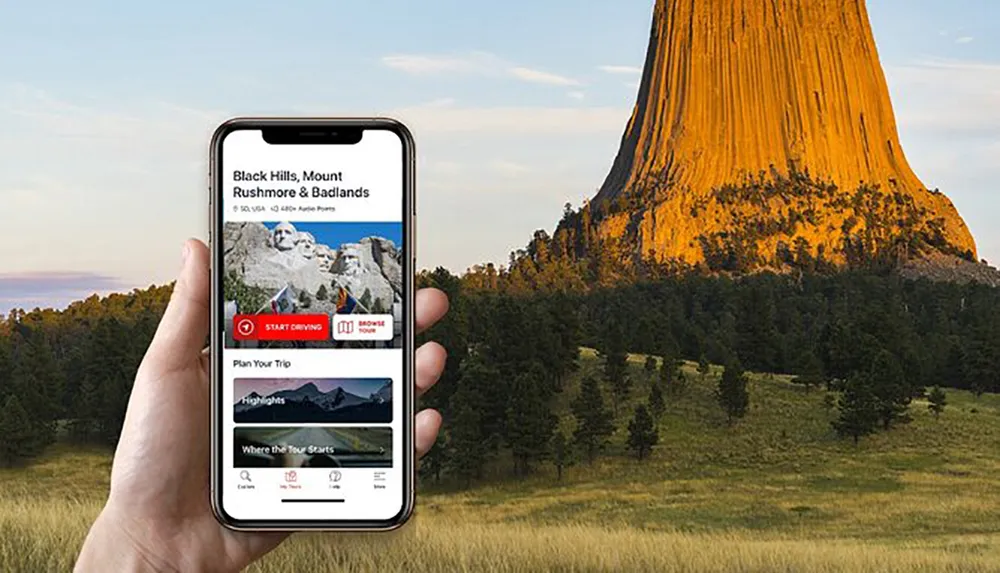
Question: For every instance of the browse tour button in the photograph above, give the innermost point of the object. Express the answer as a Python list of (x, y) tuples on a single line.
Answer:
[(362, 327), (281, 327)]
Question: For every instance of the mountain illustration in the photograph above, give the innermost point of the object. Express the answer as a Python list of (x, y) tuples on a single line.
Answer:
[(307, 403), (763, 137)]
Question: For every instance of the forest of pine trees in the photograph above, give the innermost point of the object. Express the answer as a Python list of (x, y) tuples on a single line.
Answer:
[(875, 341)]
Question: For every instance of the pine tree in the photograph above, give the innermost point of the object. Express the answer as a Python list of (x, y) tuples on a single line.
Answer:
[(322, 293), (560, 453), (593, 420), (669, 369), (436, 459), (859, 409), (656, 404), (732, 392), (937, 401), (530, 422), (366, 299), (650, 365), (704, 368), (616, 371), (892, 393), (22, 437), (466, 455), (642, 433), (305, 301)]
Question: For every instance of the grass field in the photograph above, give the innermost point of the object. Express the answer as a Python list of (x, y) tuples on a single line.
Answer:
[(775, 493)]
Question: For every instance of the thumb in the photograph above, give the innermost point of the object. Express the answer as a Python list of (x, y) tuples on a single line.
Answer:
[(183, 330)]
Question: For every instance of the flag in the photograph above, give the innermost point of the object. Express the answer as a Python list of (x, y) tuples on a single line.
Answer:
[(345, 302), (283, 302)]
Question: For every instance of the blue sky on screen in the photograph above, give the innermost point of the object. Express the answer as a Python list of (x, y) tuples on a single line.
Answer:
[(517, 108), (336, 234)]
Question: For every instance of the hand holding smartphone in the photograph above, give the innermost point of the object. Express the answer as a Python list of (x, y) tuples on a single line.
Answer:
[(312, 335)]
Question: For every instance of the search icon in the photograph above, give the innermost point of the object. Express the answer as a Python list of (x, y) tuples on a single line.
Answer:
[(245, 475)]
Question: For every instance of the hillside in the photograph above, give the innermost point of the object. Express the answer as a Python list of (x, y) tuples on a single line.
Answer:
[(781, 470), (775, 493), (762, 133)]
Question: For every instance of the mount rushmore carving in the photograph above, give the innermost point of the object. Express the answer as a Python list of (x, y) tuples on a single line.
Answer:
[(283, 256)]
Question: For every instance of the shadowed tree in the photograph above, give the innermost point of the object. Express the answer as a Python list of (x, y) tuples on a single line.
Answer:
[(937, 400), (732, 392), (858, 409), (593, 420), (642, 433)]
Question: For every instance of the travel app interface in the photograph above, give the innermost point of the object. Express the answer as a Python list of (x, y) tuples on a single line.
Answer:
[(312, 364)]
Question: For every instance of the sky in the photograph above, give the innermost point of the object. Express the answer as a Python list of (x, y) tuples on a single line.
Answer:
[(363, 387), (334, 235), (517, 108)]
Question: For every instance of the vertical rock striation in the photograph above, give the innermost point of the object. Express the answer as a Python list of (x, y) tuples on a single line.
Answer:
[(736, 92)]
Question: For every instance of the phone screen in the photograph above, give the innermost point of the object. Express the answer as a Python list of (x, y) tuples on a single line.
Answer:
[(311, 296)]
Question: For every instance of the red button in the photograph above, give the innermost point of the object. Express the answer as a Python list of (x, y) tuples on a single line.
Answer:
[(281, 327)]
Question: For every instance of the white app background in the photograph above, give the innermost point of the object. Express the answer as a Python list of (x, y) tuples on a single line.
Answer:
[(375, 163)]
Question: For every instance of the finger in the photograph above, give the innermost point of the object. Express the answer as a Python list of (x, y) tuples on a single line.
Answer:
[(427, 427), (181, 335), (432, 304), (430, 361)]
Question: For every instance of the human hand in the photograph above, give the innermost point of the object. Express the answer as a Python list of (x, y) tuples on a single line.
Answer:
[(158, 515)]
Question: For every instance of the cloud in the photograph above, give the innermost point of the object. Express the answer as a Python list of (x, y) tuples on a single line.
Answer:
[(577, 95), (947, 96), (621, 70), (53, 289), (418, 64), (473, 63), (965, 40), (540, 77), (486, 121)]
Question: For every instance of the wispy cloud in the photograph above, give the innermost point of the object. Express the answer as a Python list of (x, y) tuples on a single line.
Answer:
[(474, 63), (487, 121), (540, 77), (577, 95), (53, 289), (948, 96), (621, 70), (965, 40)]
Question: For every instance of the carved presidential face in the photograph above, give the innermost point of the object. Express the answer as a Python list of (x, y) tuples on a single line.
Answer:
[(349, 260), (324, 258), (283, 236), (306, 244)]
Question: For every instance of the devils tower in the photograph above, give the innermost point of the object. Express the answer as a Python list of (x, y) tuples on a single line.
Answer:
[(763, 128)]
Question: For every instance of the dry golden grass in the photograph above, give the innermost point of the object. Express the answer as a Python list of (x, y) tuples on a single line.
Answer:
[(40, 536), (776, 494)]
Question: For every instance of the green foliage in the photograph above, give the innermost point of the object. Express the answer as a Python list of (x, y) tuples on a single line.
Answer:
[(593, 420), (305, 301), (366, 299), (732, 392), (642, 433), (322, 293), (560, 453), (530, 421), (650, 365), (249, 299), (937, 401), (859, 409), (656, 403), (23, 435), (892, 392)]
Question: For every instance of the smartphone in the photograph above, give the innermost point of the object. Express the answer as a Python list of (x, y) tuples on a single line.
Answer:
[(312, 241)]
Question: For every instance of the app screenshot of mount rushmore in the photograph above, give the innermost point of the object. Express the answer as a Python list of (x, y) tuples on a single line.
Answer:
[(312, 268)]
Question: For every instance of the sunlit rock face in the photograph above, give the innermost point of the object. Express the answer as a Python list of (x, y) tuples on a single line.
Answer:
[(738, 89)]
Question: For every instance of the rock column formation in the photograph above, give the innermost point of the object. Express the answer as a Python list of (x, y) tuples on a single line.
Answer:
[(733, 88)]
